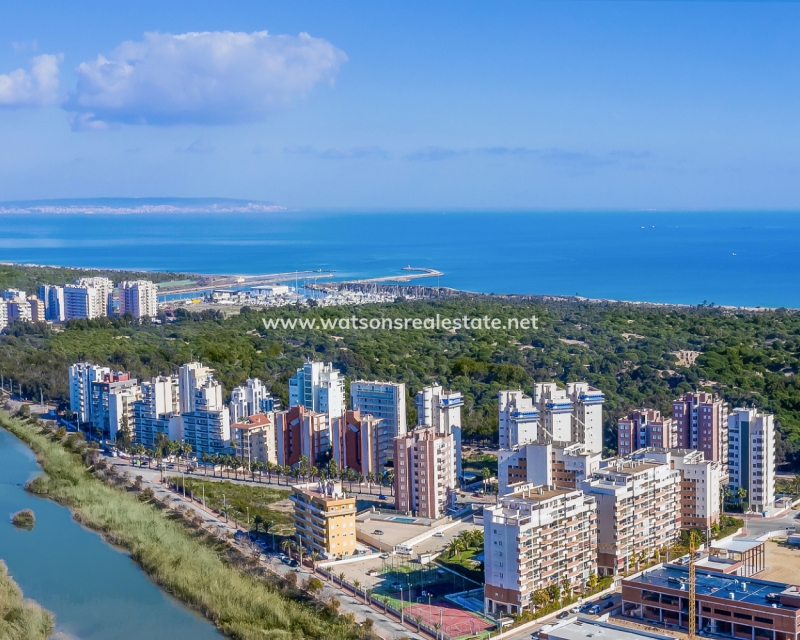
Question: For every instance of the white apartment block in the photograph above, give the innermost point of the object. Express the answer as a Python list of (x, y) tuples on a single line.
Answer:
[(519, 419), (191, 377), (384, 401), (120, 409), (138, 297), (424, 473), (555, 464), (638, 511), (751, 456), (700, 484), (3, 315), (536, 537), (319, 387), (157, 411), (442, 410), (207, 427), (254, 439), (81, 375), (19, 310), (105, 289), (587, 415), (14, 294), (249, 399)]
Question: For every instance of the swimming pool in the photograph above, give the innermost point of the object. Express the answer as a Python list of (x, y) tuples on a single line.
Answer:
[(401, 519)]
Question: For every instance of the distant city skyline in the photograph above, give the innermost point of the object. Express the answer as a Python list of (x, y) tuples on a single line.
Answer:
[(367, 106)]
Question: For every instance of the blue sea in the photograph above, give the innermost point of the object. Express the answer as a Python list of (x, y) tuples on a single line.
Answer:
[(742, 259)]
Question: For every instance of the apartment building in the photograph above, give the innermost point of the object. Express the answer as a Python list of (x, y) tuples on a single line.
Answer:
[(554, 413), (442, 410), (751, 456), (301, 432), (555, 464), (318, 387), (191, 377), (53, 299), (120, 409), (19, 310), (207, 426), (157, 411), (519, 419), (425, 473), (700, 484), (325, 518), (254, 439), (701, 421), (251, 398), (355, 438), (105, 293), (83, 302), (138, 297), (536, 537), (3, 314), (81, 375), (101, 392), (385, 402), (638, 510), (645, 428)]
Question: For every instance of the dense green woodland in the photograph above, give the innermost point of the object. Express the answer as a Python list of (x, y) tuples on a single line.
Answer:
[(625, 350)]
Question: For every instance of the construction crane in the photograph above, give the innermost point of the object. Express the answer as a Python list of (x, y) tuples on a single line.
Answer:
[(692, 589)]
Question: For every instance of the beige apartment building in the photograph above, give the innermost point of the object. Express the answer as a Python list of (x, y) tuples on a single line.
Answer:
[(254, 438), (325, 518), (700, 484), (638, 511), (536, 537), (425, 473)]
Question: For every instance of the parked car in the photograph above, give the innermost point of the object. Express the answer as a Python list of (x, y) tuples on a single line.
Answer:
[(575, 610), (608, 605), (586, 607), (378, 532), (606, 596), (562, 615), (439, 534), (286, 560), (293, 563), (594, 610), (382, 497), (384, 556)]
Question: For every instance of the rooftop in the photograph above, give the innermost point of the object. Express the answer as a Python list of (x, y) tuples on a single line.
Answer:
[(580, 628), (748, 590), (737, 545), (256, 420)]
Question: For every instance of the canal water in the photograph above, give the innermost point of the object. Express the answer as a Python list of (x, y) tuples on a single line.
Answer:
[(95, 591)]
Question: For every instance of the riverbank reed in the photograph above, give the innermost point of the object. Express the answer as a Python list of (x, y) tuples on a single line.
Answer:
[(20, 619), (241, 605)]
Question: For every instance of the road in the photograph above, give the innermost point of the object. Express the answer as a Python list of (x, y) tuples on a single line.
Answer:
[(384, 626)]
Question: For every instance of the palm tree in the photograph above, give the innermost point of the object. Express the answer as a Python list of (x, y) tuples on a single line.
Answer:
[(258, 520), (390, 481), (315, 557), (341, 579), (356, 585), (333, 469), (486, 474), (205, 458), (268, 466), (370, 479), (286, 545)]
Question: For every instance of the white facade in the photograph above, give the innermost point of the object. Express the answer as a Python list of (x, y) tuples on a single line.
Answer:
[(318, 387), (81, 375), (519, 419), (139, 297), (191, 377), (157, 411), (105, 289), (249, 399), (442, 410), (587, 415), (120, 409), (3, 315), (751, 456), (385, 401), (535, 538)]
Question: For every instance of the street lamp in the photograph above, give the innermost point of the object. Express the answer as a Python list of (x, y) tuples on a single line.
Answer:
[(224, 507)]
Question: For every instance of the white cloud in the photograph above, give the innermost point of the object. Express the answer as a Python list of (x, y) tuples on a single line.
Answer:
[(210, 77), (36, 87)]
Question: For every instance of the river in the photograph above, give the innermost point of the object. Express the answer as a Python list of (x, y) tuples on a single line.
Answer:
[(95, 591)]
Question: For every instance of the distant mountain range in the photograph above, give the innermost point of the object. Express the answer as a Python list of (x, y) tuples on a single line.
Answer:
[(140, 205)]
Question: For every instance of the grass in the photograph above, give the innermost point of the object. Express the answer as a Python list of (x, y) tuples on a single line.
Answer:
[(240, 604), (239, 498), (20, 619), (463, 564)]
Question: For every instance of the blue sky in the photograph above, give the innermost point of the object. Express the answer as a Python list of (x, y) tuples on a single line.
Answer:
[(413, 105)]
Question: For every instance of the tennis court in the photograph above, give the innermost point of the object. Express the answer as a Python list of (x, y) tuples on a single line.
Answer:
[(455, 622)]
